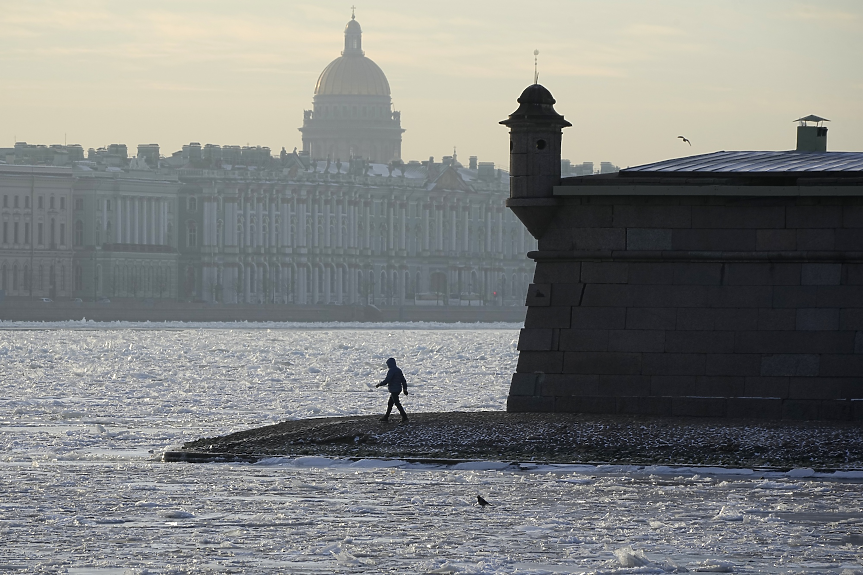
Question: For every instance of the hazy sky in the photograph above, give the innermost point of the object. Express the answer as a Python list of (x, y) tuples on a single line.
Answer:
[(630, 75)]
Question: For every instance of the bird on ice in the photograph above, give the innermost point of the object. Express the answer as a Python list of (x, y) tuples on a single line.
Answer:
[(482, 502), (685, 140)]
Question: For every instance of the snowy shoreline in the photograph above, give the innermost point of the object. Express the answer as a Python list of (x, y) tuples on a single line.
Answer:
[(555, 439)]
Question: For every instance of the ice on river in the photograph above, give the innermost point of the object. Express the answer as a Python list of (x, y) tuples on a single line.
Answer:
[(75, 390), (81, 408)]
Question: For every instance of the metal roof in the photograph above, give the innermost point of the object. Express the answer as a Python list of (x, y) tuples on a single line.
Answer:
[(757, 163), (811, 118)]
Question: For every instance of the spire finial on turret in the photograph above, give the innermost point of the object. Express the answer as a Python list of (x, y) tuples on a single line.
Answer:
[(536, 66), (353, 12)]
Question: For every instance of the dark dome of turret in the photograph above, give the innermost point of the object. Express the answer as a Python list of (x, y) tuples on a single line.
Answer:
[(536, 104), (536, 94)]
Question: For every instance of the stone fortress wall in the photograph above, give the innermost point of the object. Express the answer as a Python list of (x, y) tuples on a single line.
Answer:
[(672, 291)]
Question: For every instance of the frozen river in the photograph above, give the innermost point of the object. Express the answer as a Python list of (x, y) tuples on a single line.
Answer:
[(84, 406)]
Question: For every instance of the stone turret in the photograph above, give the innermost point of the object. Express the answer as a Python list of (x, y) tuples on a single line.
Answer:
[(534, 156)]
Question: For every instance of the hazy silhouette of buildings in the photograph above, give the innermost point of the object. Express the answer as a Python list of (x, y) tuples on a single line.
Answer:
[(236, 224)]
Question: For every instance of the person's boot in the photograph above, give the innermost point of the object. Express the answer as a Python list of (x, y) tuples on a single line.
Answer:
[(404, 418), (384, 419)]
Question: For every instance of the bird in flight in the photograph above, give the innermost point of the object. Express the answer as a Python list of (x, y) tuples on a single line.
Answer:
[(685, 140), (482, 502)]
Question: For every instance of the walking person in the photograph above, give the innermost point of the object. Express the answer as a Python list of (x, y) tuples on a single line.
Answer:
[(396, 383)]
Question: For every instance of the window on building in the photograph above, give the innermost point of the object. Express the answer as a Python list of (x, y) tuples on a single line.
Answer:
[(26, 279), (39, 234), (62, 203), (79, 233), (79, 278), (3, 278), (15, 277), (51, 202), (5, 232), (26, 202), (79, 203), (108, 205), (16, 201), (26, 232), (5, 201), (62, 234), (192, 240), (192, 204), (53, 236), (15, 233), (40, 204)]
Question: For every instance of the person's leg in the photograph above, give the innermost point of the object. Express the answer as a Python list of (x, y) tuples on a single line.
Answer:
[(399, 405), (390, 406)]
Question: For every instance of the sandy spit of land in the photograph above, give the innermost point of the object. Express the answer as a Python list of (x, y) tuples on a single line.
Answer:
[(558, 438)]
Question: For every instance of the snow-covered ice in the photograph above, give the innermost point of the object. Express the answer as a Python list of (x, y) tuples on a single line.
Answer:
[(83, 404)]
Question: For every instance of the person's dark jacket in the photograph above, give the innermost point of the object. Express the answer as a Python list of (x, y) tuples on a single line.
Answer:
[(395, 379)]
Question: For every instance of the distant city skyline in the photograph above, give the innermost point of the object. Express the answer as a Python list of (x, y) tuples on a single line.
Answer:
[(630, 76)]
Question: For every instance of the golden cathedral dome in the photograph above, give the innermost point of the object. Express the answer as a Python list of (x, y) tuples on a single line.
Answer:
[(352, 74)]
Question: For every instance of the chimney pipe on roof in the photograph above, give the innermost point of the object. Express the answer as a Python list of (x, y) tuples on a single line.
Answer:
[(811, 138)]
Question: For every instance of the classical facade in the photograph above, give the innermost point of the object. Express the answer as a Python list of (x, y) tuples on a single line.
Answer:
[(123, 231), (284, 230), (352, 113), (433, 234), (35, 215)]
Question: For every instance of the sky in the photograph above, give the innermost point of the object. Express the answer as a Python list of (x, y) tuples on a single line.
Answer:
[(631, 75)]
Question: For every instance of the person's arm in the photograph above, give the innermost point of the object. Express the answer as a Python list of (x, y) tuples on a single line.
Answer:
[(386, 380), (404, 384)]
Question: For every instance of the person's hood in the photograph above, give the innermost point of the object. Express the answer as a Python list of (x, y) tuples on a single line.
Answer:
[(391, 362)]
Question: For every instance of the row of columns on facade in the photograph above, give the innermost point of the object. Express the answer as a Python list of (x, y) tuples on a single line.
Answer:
[(45, 277), (351, 218), (138, 220)]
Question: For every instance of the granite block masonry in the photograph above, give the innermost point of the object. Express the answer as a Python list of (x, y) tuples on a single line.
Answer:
[(721, 285)]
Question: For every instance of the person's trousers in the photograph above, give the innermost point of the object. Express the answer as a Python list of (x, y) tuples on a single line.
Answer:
[(394, 400)]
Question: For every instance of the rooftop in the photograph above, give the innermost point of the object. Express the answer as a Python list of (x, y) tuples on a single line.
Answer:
[(731, 174), (756, 163)]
